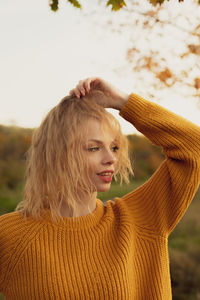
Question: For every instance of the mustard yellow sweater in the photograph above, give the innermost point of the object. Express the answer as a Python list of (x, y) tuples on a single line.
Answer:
[(120, 252)]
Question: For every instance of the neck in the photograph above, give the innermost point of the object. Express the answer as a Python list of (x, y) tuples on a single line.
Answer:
[(82, 210)]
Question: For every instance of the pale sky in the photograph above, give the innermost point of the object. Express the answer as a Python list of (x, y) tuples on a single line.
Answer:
[(44, 54)]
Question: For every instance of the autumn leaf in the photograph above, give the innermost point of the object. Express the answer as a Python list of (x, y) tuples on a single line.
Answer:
[(195, 49), (197, 83), (164, 76), (155, 2), (54, 5), (116, 4), (75, 3)]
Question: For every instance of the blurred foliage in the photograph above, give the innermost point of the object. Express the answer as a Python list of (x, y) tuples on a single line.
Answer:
[(145, 156), (175, 69), (115, 4), (14, 142), (184, 252), (184, 241)]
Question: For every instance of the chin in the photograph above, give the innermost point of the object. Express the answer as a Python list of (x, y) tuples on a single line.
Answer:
[(103, 189)]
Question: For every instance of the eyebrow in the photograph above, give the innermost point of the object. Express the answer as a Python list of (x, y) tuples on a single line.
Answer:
[(100, 142)]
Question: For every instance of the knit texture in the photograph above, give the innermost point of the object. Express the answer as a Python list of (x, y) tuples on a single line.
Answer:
[(120, 251)]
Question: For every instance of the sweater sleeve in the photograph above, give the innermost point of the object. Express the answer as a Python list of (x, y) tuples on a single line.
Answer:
[(159, 204), (6, 246)]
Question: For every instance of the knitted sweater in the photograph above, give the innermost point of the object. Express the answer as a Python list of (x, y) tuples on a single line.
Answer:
[(121, 251)]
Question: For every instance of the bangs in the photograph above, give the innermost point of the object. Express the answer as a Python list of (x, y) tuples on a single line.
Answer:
[(109, 123)]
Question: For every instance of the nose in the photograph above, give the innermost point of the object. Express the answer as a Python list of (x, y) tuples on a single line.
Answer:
[(109, 158)]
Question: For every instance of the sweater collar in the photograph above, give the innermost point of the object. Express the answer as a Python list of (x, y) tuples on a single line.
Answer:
[(78, 223)]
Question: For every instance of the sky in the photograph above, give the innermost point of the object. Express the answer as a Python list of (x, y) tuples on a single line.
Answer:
[(44, 55)]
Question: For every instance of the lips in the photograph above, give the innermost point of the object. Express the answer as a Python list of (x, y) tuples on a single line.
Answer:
[(106, 175)]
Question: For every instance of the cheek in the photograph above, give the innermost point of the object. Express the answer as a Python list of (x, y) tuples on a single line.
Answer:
[(116, 164), (91, 164)]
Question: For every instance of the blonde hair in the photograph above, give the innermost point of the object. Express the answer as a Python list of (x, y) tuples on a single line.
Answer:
[(55, 161)]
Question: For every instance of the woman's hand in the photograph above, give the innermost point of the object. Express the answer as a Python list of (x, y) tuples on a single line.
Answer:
[(108, 97)]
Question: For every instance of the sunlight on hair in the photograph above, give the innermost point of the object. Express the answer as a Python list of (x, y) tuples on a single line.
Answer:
[(55, 161)]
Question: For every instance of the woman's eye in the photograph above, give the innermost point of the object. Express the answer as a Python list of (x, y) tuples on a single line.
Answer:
[(93, 149), (115, 148)]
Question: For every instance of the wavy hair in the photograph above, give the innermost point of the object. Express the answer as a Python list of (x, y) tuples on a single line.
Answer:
[(55, 161)]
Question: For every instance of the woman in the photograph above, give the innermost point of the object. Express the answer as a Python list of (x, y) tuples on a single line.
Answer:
[(62, 242)]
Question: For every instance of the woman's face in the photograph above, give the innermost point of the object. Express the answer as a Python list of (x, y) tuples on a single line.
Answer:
[(101, 154)]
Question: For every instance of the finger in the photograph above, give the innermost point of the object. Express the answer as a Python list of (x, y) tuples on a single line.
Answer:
[(84, 86), (81, 89), (77, 93), (74, 93), (87, 83), (93, 81)]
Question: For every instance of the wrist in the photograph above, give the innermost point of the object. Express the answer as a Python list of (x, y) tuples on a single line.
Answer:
[(123, 98)]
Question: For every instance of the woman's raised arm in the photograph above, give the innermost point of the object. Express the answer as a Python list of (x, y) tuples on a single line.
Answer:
[(159, 204)]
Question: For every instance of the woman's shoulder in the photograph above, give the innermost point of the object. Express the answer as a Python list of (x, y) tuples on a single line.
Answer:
[(12, 230), (16, 231), (14, 225), (16, 234), (12, 219)]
